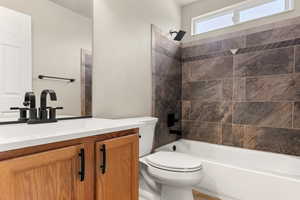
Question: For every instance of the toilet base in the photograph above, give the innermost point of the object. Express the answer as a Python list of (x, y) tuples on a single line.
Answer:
[(176, 193), (146, 195)]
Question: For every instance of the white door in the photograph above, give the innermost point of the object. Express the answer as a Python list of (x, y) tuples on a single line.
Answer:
[(15, 58)]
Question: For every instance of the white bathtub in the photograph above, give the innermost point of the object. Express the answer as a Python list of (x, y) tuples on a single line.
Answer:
[(239, 174)]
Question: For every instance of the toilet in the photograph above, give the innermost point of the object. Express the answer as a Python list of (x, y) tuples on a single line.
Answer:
[(165, 175)]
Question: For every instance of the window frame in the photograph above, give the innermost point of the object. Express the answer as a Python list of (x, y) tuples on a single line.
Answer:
[(236, 9)]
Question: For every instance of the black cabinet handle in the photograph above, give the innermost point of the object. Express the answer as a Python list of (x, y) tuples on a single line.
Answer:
[(103, 165), (82, 165)]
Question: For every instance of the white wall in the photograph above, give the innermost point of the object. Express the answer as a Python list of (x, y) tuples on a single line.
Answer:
[(205, 6), (58, 36), (122, 53)]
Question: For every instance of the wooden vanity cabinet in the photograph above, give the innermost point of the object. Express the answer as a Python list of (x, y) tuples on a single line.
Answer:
[(103, 167), (116, 169)]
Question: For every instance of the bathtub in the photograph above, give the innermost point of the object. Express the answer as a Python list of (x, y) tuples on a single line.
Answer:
[(239, 174)]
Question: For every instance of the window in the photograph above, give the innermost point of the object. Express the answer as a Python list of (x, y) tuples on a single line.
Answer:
[(239, 13)]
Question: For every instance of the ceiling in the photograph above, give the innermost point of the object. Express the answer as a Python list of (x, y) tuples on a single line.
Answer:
[(184, 2), (82, 7)]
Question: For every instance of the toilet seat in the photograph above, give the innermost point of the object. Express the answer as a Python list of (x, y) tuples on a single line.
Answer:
[(174, 161), (175, 178)]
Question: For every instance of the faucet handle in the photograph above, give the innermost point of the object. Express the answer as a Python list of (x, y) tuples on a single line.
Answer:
[(52, 112), (57, 108), (14, 108), (23, 113), (17, 108)]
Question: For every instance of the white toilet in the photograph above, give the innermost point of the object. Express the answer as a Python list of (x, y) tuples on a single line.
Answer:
[(170, 174)]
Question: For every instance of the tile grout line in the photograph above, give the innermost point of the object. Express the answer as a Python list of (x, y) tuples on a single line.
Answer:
[(221, 132), (245, 125), (244, 135), (293, 113), (294, 67), (190, 109), (250, 49), (294, 72), (248, 77), (233, 87), (242, 101)]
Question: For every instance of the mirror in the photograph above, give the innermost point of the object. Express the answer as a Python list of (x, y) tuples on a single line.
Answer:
[(46, 44)]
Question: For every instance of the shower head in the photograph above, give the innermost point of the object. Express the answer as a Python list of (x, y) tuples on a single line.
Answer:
[(179, 35)]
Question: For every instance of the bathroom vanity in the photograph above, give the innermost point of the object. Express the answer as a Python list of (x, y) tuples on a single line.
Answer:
[(78, 159)]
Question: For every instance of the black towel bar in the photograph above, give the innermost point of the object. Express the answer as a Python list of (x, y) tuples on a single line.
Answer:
[(57, 78)]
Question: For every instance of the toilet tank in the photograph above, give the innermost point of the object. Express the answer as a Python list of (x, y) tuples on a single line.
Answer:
[(146, 132), (147, 135)]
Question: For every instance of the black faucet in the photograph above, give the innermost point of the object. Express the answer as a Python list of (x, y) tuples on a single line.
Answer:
[(44, 116), (43, 112), (30, 101)]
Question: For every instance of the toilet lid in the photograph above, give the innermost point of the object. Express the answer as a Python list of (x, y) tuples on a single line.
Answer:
[(174, 161)]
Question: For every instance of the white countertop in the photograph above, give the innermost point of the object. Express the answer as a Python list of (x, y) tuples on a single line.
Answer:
[(18, 136), (2, 119)]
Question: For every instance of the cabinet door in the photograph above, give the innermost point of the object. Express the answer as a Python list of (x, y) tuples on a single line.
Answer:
[(52, 175), (117, 169)]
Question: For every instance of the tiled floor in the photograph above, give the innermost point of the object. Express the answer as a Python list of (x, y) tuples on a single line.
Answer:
[(200, 196)]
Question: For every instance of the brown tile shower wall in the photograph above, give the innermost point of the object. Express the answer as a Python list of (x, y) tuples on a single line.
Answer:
[(166, 84), (244, 91)]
